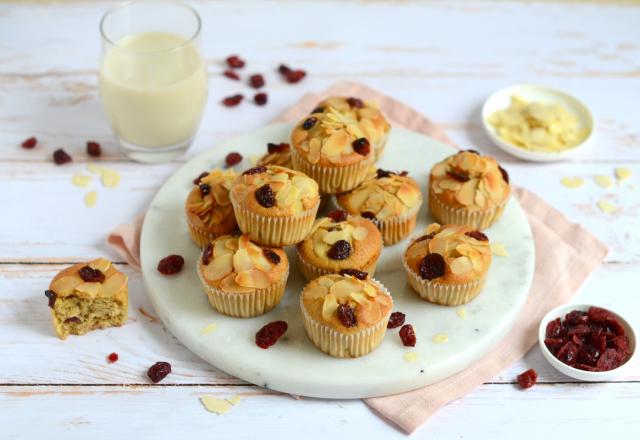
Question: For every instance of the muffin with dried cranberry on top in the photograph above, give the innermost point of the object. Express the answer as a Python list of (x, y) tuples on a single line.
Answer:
[(345, 315), (277, 154), (391, 200), (448, 264), (468, 189), (275, 205), (340, 241)]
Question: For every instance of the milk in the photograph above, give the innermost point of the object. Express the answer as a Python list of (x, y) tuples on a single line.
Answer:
[(153, 87)]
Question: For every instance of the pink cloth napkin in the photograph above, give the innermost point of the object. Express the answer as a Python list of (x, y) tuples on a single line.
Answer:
[(566, 254)]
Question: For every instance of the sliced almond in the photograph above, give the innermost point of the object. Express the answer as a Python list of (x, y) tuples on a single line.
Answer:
[(113, 284), (229, 284), (220, 248), (102, 264), (332, 236), (242, 261), (325, 281), (253, 278), (344, 288), (66, 285), (360, 233), (408, 194), (91, 289), (461, 265), (316, 292), (219, 267), (368, 313), (329, 306), (465, 195)]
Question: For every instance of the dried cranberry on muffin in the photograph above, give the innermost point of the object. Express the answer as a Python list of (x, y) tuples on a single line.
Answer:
[(240, 278), (468, 189), (274, 204), (277, 154), (448, 265), (344, 315), (332, 148), (391, 200), (367, 113), (340, 241), (208, 208)]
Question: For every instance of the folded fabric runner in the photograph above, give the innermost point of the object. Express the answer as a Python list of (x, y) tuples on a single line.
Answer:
[(566, 254)]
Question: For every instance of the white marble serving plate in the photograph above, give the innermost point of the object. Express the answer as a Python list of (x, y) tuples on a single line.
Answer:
[(294, 365)]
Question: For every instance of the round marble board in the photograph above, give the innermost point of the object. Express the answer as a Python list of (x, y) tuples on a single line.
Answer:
[(293, 365)]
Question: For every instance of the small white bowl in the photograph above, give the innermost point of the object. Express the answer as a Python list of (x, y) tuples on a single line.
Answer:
[(501, 99), (587, 376)]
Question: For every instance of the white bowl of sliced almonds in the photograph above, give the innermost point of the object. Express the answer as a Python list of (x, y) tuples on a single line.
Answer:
[(537, 123)]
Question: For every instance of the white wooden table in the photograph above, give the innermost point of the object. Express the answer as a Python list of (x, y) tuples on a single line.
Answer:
[(442, 58)]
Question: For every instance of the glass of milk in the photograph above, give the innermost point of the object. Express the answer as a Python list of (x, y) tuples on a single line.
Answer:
[(153, 78)]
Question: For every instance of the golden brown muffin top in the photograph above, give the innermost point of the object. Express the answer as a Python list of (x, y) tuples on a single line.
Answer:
[(208, 202), (383, 194), (277, 154), (321, 247), (449, 254), (96, 279), (236, 264), (469, 180), (275, 191), (337, 300), (373, 122)]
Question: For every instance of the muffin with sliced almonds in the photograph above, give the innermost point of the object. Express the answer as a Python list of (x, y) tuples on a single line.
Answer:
[(448, 264), (374, 125), (242, 279), (337, 242), (468, 189), (275, 205), (277, 154), (345, 315), (391, 200), (208, 208)]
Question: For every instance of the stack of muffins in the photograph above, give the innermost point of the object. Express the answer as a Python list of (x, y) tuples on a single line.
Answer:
[(243, 221)]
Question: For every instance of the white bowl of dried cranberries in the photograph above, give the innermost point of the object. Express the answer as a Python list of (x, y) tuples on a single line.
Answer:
[(589, 343)]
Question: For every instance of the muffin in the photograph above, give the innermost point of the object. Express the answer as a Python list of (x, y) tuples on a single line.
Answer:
[(240, 278), (391, 200), (277, 154), (208, 208), (274, 204), (332, 148), (448, 264), (339, 242), (468, 189), (345, 316), (87, 296), (371, 119)]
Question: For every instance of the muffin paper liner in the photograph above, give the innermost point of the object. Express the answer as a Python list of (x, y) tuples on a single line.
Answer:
[(275, 231), (342, 345), (311, 271), (378, 148), (200, 236), (443, 294), (245, 305), (333, 180), (447, 215)]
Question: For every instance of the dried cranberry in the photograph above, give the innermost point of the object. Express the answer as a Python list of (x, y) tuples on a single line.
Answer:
[(368, 214), (505, 175), (170, 265), (614, 325), (232, 159), (309, 123), (294, 76), (403, 173), (554, 344), (158, 371), (608, 360), (231, 75), (338, 215), (233, 100), (432, 266), (361, 275), (597, 314), (473, 151), (408, 336), (477, 235), (260, 98), (207, 254), (29, 143), (355, 102), (197, 180), (51, 295), (568, 354), (527, 379), (284, 69), (205, 189), (265, 196), (94, 149), (573, 317), (554, 328), (347, 315), (459, 175), (270, 333), (72, 320), (339, 250), (60, 157), (91, 275), (396, 320), (361, 146), (588, 355), (113, 357), (317, 110), (254, 170), (273, 257), (579, 330), (380, 173), (235, 62), (256, 81), (620, 343), (425, 237), (278, 148)]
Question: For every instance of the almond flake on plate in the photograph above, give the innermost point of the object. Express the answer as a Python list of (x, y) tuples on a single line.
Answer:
[(572, 182), (110, 178), (623, 173), (81, 180), (95, 169), (603, 181), (440, 338), (461, 312), (90, 199), (499, 249), (208, 329), (607, 207), (218, 406), (411, 356)]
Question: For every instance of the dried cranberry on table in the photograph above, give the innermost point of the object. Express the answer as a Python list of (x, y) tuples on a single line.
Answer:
[(527, 379), (170, 265), (158, 371), (396, 320), (231, 75), (113, 357), (270, 333), (256, 81), (29, 143), (235, 62), (94, 149), (233, 100), (260, 98), (60, 157), (408, 335), (232, 159), (292, 76), (359, 274)]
